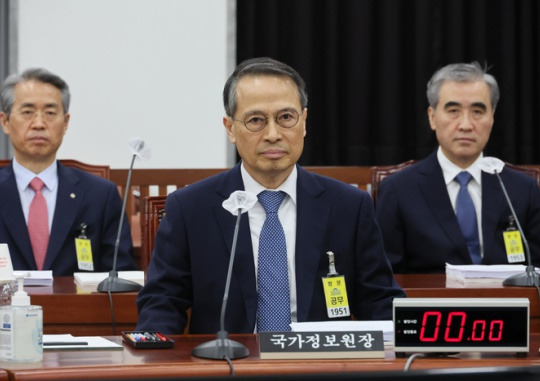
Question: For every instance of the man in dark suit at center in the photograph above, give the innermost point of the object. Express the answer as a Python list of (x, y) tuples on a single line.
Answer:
[(266, 106), (444, 209)]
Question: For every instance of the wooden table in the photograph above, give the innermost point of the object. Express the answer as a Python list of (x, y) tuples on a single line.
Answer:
[(434, 286), (178, 362), (68, 309)]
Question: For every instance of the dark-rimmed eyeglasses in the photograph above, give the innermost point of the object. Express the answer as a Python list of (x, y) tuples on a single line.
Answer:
[(257, 121)]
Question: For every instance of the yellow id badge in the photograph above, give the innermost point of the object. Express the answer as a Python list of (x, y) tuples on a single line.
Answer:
[(84, 254), (514, 246), (335, 294)]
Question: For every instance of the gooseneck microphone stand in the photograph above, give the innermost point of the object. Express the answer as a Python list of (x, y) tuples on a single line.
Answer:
[(112, 283), (529, 278), (223, 347)]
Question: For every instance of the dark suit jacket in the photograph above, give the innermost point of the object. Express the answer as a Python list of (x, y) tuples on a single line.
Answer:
[(189, 264), (82, 198), (420, 228)]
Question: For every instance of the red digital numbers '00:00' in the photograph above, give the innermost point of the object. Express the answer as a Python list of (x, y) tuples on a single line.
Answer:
[(455, 326)]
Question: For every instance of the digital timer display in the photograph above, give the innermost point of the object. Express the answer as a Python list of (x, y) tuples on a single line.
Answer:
[(461, 324)]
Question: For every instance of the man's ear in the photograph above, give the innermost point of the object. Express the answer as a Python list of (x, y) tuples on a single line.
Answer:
[(4, 122), (66, 122), (228, 122), (431, 115)]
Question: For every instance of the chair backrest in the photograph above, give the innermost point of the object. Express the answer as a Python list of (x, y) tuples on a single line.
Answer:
[(156, 182), (531, 170), (153, 210), (359, 176), (98, 170), (380, 172)]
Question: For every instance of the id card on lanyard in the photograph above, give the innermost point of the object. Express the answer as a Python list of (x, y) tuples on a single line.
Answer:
[(335, 291), (513, 243), (83, 247)]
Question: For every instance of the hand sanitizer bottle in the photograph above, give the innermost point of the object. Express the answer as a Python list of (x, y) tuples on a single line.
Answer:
[(21, 328)]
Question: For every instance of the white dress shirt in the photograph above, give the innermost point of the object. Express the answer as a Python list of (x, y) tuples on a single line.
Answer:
[(49, 176), (287, 217), (450, 171)]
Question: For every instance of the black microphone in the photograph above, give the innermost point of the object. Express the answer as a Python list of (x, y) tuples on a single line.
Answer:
[(238, 203), (112, 283), (530, 278)]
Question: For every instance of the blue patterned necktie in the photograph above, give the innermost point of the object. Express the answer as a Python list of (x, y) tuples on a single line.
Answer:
[(273, 306), (466, 216)]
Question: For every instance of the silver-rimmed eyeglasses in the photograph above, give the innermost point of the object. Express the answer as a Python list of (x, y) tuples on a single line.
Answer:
[(257, 121)]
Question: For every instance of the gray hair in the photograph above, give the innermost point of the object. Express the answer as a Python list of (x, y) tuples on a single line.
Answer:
[(7, 96), (461, 72), (262, 66)]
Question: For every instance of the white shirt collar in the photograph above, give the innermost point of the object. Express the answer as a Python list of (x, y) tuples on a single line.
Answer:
[(450, 170), (288, 186), (23, 176)]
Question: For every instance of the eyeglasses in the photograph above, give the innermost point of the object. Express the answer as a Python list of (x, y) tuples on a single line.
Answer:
[(257, 122), (49, 115)]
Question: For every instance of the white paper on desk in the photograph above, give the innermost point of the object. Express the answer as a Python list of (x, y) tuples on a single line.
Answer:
[(94, 343), (89, 279), (484, 271), (453, 282), (38, 278), (386, 326)]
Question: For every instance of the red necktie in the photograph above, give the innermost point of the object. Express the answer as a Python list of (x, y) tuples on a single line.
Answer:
[(38, 223)]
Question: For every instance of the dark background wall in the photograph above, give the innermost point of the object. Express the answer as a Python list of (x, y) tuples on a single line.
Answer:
[(366, 64)]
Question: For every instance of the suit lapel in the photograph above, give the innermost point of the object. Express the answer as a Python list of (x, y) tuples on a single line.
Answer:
[(434, 191), (312, 220), (68, 202), (244, 265), (12, 214)]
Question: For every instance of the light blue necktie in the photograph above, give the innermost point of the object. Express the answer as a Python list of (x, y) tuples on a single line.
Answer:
[(466, 216), (273, 307)]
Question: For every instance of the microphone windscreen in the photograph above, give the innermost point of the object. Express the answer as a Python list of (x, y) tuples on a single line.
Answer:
[(139, 148), (491, 164), (239, 200)]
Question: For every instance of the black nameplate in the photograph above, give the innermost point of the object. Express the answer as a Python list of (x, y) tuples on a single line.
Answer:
[(306, 345)]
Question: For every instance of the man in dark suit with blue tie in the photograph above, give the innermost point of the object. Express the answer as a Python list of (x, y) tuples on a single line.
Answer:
[(266, 106), (444, 209), (40, 223)]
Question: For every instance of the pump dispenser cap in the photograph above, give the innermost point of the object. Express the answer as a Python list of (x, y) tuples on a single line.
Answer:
[(20, 298)]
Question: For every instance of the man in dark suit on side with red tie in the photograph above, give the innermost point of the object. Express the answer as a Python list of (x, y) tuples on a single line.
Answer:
[(44, 205)]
